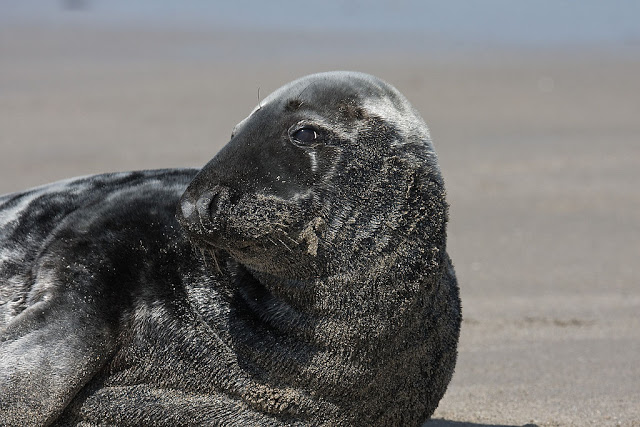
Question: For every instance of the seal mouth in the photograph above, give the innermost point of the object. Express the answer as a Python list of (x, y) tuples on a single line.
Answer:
[(256, 229)]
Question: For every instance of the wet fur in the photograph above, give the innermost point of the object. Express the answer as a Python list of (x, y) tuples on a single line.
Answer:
[(298, 285)]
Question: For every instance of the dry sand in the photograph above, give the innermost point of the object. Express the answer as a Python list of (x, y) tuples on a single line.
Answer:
[(540, 153)]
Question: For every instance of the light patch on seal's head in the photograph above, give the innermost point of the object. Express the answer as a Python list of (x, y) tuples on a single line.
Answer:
[(261, 104), (246, 119), (398, 111), (314, 161)]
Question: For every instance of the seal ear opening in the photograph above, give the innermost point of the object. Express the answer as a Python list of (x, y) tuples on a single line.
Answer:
[(210, 206)]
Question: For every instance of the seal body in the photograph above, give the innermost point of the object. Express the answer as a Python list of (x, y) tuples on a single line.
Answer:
[(304, 279)]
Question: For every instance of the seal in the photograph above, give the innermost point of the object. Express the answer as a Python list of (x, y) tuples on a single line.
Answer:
[(303, 281)]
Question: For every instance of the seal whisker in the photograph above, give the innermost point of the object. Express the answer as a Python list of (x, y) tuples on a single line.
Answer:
[(204, 257), (303, 91), (259, 100), (291, 238), (212, 252), (284, 244)]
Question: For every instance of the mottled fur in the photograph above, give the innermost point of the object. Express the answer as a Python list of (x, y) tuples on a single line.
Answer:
[(312, 285)]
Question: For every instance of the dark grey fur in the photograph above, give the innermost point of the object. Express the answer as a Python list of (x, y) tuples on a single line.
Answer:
[(317, 290)]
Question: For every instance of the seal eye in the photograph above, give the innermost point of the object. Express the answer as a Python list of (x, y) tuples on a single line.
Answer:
[(305, 136)]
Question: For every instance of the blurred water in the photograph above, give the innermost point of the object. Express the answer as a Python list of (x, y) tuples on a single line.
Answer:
[(613, 23)]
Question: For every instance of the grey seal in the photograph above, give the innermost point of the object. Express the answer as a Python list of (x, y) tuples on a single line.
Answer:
[(303, 281)]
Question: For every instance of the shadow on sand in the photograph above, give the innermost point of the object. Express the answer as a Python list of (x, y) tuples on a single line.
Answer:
[(444, 423)]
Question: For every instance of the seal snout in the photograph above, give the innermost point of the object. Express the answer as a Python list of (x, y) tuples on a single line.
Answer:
[(203, 210)]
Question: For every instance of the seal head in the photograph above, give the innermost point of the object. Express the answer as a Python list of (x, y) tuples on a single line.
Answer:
[(323, 162)]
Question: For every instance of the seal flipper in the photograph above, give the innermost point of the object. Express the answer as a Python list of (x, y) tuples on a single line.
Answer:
[(47, 354)]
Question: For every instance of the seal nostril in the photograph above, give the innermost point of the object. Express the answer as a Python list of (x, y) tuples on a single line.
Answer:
[(210, 203), (213, 204), (203, 211), (204, 203)]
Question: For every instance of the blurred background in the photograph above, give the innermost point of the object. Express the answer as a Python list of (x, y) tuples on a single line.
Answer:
[(534, 108)]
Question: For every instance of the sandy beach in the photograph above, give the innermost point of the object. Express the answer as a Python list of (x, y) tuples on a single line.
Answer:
[(540, 151)]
